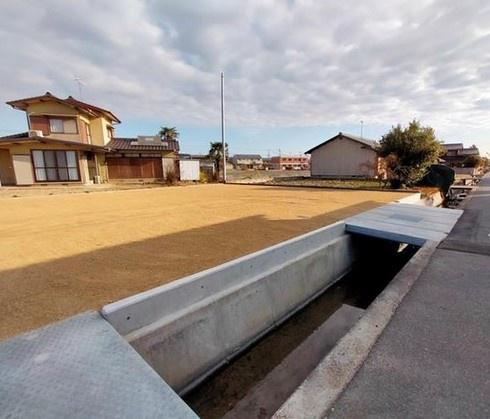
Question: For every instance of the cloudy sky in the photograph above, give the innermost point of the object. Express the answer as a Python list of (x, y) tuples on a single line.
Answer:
[(296, 72)]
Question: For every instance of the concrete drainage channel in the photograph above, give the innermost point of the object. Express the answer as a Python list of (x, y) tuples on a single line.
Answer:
[(238, 339), (260, 380), (188, 329), (280, 332)]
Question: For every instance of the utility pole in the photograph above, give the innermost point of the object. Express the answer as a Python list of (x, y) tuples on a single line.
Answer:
[(362, 126), (223, 142)]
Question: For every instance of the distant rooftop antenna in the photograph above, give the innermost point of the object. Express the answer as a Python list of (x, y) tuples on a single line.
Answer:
[(362, 126), (80, 83)]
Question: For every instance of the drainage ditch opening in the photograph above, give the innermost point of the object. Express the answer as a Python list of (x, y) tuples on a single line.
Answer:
[(259, 380)]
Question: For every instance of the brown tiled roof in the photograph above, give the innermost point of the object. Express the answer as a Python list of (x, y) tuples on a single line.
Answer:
[(13, 136), (24, 138), (125, 144), (90, 109)]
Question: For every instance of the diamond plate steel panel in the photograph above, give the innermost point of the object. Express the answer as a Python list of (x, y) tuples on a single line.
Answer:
[(81, 368)]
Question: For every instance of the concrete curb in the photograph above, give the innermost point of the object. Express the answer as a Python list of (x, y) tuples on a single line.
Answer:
[(316, 396)]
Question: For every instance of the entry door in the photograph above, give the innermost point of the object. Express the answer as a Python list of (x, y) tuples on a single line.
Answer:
[(23, 169)]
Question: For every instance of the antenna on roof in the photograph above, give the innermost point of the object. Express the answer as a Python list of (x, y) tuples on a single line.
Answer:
[(362, 126), (80, 83)]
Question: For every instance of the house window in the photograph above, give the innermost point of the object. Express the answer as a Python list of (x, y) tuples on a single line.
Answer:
[(63, 126), (55, 166)]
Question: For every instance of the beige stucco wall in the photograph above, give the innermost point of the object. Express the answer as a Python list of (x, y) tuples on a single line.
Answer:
[(98, 130), (103, 171), (51, 108), (25, 149), (98, 126), (343, 157), (83, 164)]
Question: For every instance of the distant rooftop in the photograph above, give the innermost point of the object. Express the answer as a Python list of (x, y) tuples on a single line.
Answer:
[(131, 144), (367, 142), (247, 157), (460, 149), (453, 146)]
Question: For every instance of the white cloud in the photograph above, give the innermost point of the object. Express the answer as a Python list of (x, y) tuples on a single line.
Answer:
[(287, 63)]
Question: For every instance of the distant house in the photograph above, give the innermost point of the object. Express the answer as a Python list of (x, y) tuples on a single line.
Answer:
[(69, 141), (247, 161), (289, 163), (345, 155), (454, 154), (65, 142)]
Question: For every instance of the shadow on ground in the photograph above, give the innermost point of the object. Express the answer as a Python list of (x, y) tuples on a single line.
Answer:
[(38, 294)]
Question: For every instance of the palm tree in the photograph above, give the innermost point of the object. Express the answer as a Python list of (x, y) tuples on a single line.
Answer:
[(168, 134), (215, 153)]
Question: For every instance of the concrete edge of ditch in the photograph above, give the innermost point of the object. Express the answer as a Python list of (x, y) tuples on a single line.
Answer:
[(187, 329), (139, 310), (341, 188), (316, 395)]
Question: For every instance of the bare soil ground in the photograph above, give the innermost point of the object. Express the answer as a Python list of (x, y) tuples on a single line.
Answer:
[(64, 254), (59, 189)]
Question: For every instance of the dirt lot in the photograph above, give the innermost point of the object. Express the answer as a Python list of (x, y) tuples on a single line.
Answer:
[(63, 254)]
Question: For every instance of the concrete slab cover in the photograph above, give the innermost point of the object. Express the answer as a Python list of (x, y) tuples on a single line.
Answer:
[(407, 223), (406, 217), (81, 368)]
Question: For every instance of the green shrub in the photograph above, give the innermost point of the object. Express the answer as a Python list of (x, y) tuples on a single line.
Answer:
[(408, 153)]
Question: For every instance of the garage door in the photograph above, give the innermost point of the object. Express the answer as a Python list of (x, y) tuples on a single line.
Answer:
[(134, 168)]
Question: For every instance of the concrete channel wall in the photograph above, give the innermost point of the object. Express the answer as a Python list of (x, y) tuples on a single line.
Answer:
[(187, 329)]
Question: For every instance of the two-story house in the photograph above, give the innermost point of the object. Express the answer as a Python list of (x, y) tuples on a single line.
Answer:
[(65, 142), (69, 141), (454, 154)]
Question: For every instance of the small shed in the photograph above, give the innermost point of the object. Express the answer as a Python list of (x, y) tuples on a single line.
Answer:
[(189, 169), (345, 155)]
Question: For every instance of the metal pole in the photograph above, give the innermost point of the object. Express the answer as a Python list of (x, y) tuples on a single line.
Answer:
[(362, 125), (223, 142)]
